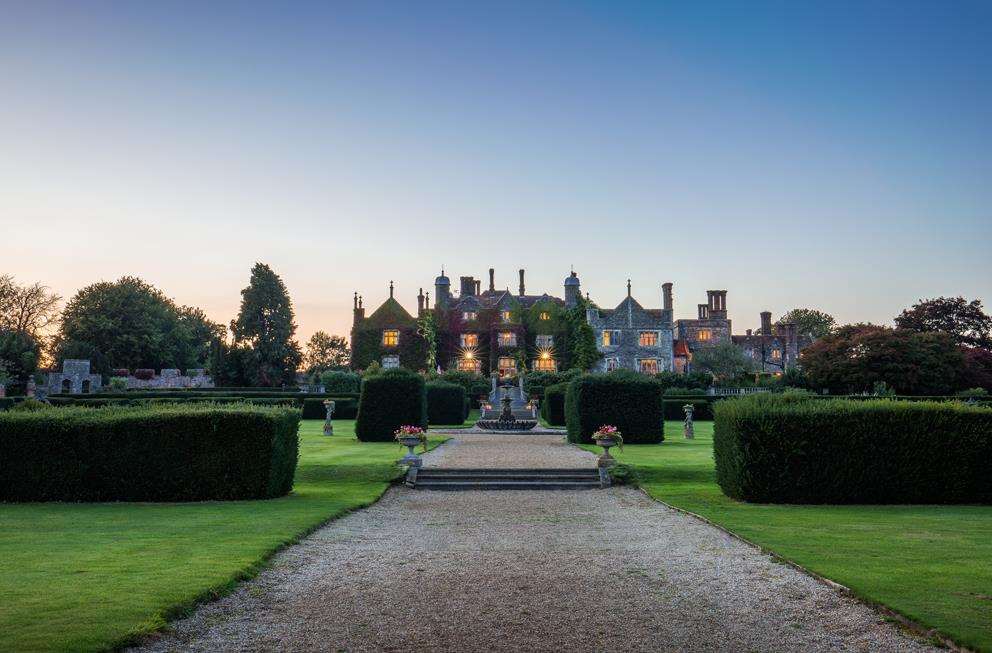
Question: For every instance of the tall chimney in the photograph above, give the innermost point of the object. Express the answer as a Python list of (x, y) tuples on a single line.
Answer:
[(420, 302), (522, 292), (703, 311), (666, 292), (766, 323), (478, 287)]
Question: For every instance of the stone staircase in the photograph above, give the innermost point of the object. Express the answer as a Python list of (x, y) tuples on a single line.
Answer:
[(452, 478)]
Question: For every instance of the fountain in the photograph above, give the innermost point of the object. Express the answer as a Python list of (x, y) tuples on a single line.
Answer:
[(513, 415)]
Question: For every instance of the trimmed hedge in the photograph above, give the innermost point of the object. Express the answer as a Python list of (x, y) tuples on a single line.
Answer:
[(337, 381), (703, 407), (446, 403), (632, 403), (149, 453), (776, 449), (388, 401), (343, 408), (553, 406), (6, 403)]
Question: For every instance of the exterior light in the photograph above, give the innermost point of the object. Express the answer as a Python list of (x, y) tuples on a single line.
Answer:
[(469, 355), (545, 355)]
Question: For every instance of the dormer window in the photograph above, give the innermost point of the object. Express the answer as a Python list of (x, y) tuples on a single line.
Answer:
[(545, 315), (776, 354), (507, 339), (470, 316), (390, 338), (470, 340), (506, 316)]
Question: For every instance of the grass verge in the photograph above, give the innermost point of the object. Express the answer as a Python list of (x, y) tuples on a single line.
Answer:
[(932, 564), (91, 576)]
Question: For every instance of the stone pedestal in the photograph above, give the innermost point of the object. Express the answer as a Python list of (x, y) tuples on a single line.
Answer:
[(687, 429)]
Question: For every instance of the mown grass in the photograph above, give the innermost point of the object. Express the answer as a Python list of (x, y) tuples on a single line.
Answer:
[(80, 577), (932, 564)]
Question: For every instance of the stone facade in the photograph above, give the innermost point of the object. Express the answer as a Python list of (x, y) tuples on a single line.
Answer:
[(75, 378), (172, 378), (632, 337)]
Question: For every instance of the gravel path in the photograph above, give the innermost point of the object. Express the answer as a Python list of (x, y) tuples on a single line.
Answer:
[(597, 570), (509, 451)]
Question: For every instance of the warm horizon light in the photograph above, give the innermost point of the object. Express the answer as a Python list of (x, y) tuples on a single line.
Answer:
[(829, 155)]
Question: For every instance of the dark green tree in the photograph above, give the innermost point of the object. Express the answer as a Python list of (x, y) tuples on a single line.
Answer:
[(724, 361), (326, 352), (809, 322), (582, 351), (19, 354), (965, 321), (266, 325), (200, 333), (126, 323)]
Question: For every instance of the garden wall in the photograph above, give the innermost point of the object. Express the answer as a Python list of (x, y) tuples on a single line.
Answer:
[(152, 453), (776, 449)]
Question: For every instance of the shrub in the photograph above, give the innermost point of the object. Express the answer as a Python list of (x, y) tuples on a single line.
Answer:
[(337, 381), (790, 449), (30, 405), (553, 406), (118, 383), (674, 407), (390, 399), (148, 453), (445, 403), (6, 403), (973, 393), (632, 403)]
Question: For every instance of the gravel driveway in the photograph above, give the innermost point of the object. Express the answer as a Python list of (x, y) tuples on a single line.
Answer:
[(595, 570)]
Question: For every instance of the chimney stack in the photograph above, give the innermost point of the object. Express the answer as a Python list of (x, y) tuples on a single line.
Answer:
[(766, 323), (522, 292), (420, 302), (666, 292), (478, 287), (466, 286), (703, 311), (492, 280)]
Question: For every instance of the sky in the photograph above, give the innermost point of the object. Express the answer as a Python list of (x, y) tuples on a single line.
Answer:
[(831, 155)]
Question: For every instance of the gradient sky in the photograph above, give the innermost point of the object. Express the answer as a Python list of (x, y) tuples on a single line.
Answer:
[(826, 154)]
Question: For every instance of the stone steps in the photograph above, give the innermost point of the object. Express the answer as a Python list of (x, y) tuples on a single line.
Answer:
[(439, 478)]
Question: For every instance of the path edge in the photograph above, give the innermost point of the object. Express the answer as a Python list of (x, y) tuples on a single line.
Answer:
[(905, 622)]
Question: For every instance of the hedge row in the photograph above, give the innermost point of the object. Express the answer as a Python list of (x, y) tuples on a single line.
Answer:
[(630, 403), (553, 406), (150, 453), (100, 402), (779, 449), (343, 408), (390, 400), (196, 394), (446, 403)]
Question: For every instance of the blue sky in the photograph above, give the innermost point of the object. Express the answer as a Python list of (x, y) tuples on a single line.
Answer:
[(834, 155)]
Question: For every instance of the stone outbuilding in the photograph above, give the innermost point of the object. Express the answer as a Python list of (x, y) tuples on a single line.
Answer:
[(75, 378)]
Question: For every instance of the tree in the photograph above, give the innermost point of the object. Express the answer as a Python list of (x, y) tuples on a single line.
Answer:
[(965, 321), (127, 323), (200, 334), (326, 352), (266, 325), (581, 339), (19, 355), (26, 309), (857, 356), (724, 361), (977, 368), (809, 322)]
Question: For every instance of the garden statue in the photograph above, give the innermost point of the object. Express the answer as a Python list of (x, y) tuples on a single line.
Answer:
[(29, 392), (328, 425), (688, 429)]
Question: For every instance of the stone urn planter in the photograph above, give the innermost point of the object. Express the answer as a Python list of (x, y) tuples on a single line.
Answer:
[(607, 437), (410, 437)]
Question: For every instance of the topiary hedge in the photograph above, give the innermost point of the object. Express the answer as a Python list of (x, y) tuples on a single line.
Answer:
[(777, 449), (148, 453), (446, 403), (553, 406), (388, 401), (631, 403), (702, 407), (343, 408)]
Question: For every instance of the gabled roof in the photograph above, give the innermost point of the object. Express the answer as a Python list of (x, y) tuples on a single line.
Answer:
[(389, 314)]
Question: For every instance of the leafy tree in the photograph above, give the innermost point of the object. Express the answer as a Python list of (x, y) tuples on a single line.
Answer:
[(857, 356), (809, 322), (26, 309), (200, 333), (126, 323), (965, 321), (326, 352), (977, 368), (266, 325), (19, 354), (581, 338), (724, 361)]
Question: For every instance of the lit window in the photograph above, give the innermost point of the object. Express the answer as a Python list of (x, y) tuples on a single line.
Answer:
[(470, 340), (648, 339), (612, 364), (390, 337), (507, 339), (545, 315), (776, 354), (704, 334), (506, 316), (611, 338), (544, 341), (542, 364), (389, 362), (507, 366), (648, 365), (470, 316), (469, 364)]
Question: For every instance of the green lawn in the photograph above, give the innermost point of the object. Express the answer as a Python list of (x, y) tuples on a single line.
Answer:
[(89, 576), (931, 563)]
